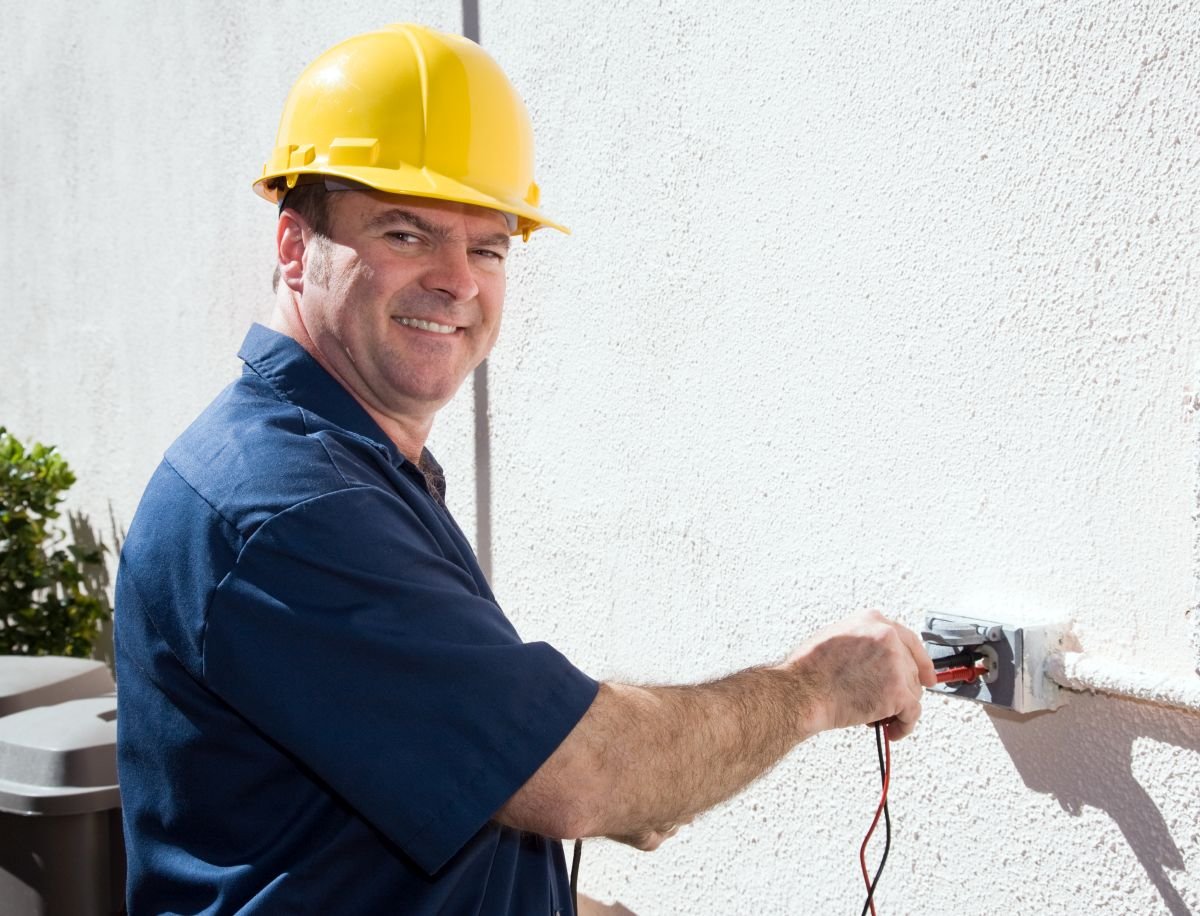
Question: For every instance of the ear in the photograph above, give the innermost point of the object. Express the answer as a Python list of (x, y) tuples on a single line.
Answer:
[(290, 237)]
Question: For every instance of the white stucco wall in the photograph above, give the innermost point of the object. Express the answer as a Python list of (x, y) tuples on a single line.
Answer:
[(882, 304), (134, 253)]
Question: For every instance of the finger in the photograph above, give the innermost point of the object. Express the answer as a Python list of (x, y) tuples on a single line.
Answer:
[(894, 729), (898, 729), (917, 689), (916, 648), (903, 723), (908, 671)]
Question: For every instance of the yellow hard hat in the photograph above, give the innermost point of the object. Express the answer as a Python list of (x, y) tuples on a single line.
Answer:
[(409, 110)]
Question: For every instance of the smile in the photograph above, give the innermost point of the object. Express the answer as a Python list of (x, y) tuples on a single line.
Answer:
[(427, 325)]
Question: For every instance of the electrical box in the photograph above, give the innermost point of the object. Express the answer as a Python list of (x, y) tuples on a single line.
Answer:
[(1014, 654)]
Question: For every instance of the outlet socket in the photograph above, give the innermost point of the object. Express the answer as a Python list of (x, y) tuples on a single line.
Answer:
[(1016, 659)]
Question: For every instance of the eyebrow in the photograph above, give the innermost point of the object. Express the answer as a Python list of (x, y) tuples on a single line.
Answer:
[(407, 217)]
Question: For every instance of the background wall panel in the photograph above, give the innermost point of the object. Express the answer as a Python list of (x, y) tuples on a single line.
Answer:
[(887, 304)]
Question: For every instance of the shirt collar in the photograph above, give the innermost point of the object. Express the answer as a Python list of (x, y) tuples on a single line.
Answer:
[(299, 379)]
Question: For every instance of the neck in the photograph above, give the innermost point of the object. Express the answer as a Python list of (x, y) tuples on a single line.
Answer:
[(408, 438), (408, 435)]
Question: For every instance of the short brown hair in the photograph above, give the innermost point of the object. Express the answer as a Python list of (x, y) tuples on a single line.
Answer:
[(312, 202)]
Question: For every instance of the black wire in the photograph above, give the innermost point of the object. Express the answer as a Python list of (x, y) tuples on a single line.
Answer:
[(575, 875), (887, 821), (967, 657)]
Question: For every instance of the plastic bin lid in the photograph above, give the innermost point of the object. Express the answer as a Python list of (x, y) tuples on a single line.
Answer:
[(60, 759), (27, 681)]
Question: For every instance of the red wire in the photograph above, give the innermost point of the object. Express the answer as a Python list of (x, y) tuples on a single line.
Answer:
[(962, 673), (967, 673), (862, 852)]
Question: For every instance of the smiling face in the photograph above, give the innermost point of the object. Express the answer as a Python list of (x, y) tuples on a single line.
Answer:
[(402, 300)]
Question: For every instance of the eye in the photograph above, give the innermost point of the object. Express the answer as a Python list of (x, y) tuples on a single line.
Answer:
[(403, 238), (489, 254)]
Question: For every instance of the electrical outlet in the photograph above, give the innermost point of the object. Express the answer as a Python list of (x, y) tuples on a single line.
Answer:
[(1015, 655)]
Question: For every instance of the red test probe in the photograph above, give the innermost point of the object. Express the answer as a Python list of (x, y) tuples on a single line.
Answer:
[(968, 673)]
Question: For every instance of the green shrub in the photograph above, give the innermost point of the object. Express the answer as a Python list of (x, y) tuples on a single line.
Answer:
[(45, 608)]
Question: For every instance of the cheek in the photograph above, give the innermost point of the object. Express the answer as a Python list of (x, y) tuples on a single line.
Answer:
[(491, 341), (493, 325), (491, 298), (356, 303)]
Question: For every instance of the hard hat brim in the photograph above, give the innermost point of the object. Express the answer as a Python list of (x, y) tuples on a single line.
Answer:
[(411, 182)]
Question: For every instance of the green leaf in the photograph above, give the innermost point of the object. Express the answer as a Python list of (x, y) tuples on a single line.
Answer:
[(45, 608)]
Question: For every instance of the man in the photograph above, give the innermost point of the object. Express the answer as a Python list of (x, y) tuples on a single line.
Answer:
[(322, 707)]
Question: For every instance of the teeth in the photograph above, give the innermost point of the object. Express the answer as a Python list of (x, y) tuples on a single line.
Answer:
[(427, 325)]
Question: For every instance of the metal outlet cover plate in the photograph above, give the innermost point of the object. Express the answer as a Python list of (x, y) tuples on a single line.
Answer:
[(1019, 681)]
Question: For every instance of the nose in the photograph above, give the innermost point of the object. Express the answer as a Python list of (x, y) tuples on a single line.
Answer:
[(450, 273)]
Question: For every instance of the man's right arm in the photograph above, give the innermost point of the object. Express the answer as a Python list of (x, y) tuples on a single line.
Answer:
[(644, 760)]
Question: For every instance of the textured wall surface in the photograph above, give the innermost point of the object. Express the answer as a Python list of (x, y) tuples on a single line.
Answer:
[(887, 305), (868, 304), (134, 253)]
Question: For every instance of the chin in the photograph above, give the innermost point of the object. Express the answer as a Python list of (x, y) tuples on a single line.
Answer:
[(435, 394)]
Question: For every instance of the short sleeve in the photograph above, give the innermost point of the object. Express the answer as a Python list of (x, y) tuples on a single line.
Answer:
[(345, 636)]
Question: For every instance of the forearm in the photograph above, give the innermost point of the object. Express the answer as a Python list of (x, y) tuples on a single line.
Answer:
[(646, 758), (685, 749)]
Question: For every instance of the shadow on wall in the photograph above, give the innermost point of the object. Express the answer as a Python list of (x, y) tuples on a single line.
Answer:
[(1083, 755), (590, 907), (97, 581)]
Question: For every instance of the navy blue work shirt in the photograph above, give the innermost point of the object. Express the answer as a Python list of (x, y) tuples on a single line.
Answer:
[(321, 705)]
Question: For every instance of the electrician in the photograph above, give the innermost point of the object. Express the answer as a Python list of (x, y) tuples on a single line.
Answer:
[(322, 706)]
